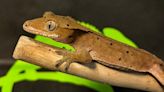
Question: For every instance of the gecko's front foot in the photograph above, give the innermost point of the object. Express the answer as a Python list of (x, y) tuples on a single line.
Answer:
[(69, 57), (60, 63)]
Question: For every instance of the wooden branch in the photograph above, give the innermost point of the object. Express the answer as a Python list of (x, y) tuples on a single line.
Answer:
[(44, 55)]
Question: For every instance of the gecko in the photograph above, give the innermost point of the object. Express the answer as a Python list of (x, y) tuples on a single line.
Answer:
[(92, 46)]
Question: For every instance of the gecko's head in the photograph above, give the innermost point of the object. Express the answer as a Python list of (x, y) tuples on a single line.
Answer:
[(50, 25)]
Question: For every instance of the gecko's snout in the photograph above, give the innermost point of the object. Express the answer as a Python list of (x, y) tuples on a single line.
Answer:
[(27, 27), (25, 24)]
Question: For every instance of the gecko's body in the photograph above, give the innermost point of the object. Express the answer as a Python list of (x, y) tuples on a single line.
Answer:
[(93, 46)]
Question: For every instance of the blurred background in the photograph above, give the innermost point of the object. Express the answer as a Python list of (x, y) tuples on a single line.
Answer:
[(140, 20)]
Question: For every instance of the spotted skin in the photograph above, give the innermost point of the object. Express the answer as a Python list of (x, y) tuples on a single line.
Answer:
[(90, 45)]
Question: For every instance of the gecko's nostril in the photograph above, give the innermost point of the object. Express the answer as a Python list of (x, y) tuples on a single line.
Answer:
[(26, 24)]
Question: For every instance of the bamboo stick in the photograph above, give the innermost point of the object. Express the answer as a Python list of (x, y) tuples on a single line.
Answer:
[(44, 55)]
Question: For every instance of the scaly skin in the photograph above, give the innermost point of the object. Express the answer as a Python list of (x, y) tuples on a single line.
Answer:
[(94, 46)]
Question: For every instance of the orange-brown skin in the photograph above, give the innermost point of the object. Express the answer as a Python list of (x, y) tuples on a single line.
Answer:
[(93, 46)]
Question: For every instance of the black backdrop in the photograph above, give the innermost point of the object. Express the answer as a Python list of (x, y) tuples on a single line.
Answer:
[(141, 20)]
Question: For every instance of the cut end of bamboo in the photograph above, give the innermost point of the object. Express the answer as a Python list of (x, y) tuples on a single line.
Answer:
[(17, 52), (36, 53)]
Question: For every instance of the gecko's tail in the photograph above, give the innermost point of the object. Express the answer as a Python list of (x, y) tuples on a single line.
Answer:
[(158, 72)]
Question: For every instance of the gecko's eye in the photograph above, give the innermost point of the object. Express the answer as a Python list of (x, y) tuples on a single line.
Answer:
[(51, 25)]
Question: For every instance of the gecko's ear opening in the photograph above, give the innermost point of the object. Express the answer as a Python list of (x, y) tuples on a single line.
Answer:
[(48, 13)]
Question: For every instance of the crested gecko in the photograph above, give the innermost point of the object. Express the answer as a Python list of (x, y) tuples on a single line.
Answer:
[(90, 45)]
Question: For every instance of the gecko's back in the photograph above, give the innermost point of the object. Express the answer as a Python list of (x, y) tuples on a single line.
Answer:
[(118, 55)]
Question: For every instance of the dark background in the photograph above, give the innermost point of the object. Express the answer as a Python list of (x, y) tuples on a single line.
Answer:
[(140, 20)]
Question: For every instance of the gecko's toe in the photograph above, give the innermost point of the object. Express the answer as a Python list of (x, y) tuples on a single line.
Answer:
[(63, 64), (58, 64), (66, 66)]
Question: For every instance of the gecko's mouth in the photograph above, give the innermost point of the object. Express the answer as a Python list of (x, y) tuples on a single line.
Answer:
[(38, 32), (62, 40), (42, 33), (28, 28)]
